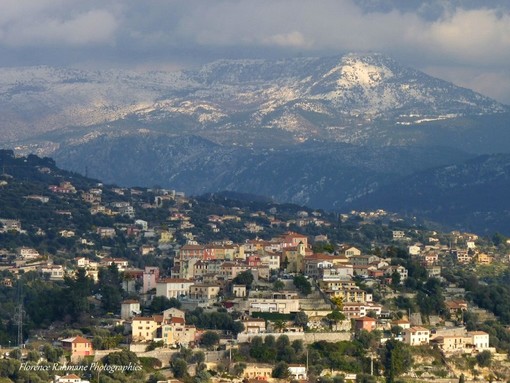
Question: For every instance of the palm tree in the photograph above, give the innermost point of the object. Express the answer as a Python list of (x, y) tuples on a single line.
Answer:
[(279, 325)]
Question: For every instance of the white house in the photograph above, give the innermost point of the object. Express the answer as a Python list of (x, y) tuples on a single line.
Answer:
[(479, 339), (239, 291), (271, 260), (416, 336), (356, 310), (129, 309), (352, 252), (414, 250), (402, 323), (401, 270), (173, 287), (28, 253), (272, 305), (254, 326), (297, 372), (54, 272), (82, 262), (398, 234), (143, 224)]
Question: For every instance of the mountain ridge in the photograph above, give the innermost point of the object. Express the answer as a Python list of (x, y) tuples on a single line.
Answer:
[(325, 132), (320, 174), (470, 195), (305, 97)]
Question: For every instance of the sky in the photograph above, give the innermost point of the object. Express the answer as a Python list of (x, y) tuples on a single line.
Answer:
[(466, 42)]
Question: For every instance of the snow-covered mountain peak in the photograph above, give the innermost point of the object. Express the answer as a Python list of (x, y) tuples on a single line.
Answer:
[(357, 72)]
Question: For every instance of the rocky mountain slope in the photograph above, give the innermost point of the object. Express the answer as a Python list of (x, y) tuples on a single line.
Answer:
[(318, 174)]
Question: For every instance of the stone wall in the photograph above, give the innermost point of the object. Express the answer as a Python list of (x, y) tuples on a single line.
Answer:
[(311, 337), (246, 338), (307, 337), (99, 354)]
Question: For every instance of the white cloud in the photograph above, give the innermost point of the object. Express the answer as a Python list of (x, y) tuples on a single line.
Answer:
[(92, 27), (478, 36), (340, 25), (292, 39), (26, 23), (319, 25)]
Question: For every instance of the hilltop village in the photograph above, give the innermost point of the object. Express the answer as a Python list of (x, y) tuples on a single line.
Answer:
[(103, 284)]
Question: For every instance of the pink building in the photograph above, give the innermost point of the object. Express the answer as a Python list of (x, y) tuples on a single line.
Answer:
[(364, 323), (150, 277), (253, 261)]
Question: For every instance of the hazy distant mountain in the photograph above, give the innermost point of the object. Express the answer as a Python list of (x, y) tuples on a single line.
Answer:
[(317, 131), (472, 195)]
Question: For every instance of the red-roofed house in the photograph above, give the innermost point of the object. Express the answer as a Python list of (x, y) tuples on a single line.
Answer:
[(78, 346), (292, 239), (456, 307), (172, 313), (192, 251)]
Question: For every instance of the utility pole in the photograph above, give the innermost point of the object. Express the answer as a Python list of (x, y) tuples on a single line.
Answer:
[(18, 317)]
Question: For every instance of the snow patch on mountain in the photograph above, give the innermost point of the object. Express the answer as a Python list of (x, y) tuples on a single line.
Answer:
[(355, 72)]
